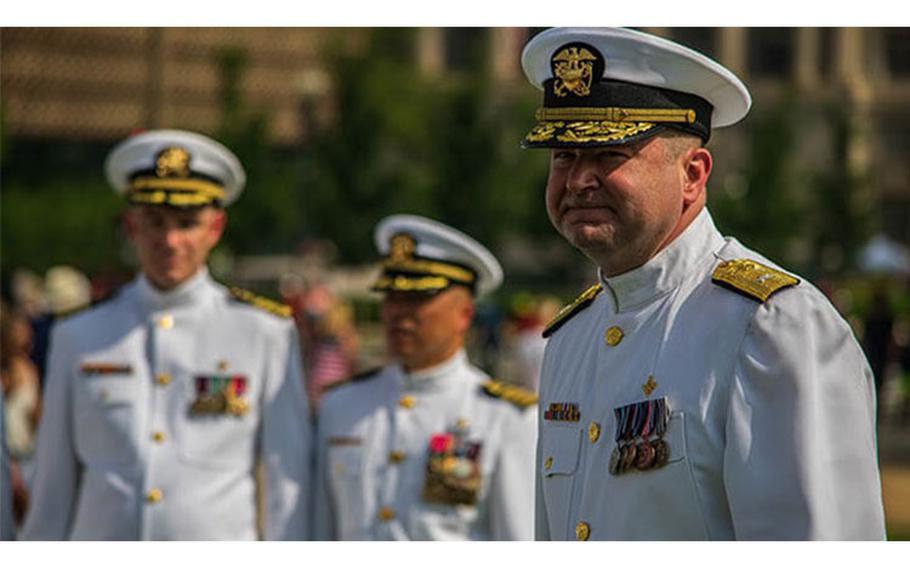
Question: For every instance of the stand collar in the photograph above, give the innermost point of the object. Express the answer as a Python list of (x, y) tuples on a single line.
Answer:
[(438, 376), (193, 291), (668, 269)]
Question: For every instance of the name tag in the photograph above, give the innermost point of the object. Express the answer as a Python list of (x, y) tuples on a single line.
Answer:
[(99, 368), (345, 441)]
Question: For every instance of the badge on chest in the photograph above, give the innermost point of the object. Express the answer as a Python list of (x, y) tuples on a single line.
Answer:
[(453, 469), (220, 395)]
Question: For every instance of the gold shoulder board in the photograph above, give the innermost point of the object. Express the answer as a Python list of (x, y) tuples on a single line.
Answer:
[(356, 377), (261, 302), (578, 304), (518, 396), (751, 279)]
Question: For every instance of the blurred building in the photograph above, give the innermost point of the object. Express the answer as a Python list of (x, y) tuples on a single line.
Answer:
[(98, 84)]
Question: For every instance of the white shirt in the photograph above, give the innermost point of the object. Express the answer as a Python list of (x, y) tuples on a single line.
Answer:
[(772, 427), (373, 446), (120, 455)]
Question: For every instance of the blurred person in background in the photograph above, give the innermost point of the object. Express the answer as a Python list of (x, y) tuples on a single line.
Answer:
[(329, 340), (428, 447), (878, 339), (161, 401), (66, 291), (28, 294), (20, 384), (523, 337), (21, 407), (697, 391)]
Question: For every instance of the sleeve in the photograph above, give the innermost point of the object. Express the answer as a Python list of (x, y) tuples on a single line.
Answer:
[(511, 498), (541, 520), (323, 521), (57, 468), (800, 461), (6, 482), (285, 445)]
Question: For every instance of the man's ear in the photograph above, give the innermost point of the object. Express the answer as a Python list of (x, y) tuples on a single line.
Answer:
[(218, 224), (129, 219), (696, 171)]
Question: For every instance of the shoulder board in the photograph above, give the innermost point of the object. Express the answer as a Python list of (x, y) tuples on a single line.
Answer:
[(261, 302), (520, 397), (356, 377), (751, 279), (569, 311)]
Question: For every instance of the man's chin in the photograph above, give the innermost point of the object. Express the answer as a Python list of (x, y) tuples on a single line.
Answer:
[(589, 237), (168, 279)]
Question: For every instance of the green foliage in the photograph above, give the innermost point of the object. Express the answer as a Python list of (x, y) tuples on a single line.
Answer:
[(440, 147), (67, 222), (809, 218), (398, 141), (842, 212), (763, 211)]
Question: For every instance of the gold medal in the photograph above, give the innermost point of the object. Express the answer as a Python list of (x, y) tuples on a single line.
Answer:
[(646, 456), (628, 461)]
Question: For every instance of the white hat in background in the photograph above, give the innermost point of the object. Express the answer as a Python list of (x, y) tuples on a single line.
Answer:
[(176, 168), (423, 255), (66, 289)]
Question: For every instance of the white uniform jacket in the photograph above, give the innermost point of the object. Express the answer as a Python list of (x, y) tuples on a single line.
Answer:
[(771, 430), (375, 438), (125, 452), (6, 483)]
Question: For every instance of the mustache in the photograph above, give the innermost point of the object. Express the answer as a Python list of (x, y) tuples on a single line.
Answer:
[(587, 201)]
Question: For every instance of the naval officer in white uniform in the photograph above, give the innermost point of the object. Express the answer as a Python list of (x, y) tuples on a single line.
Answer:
[(161, 401), (428, 447), (697, 391)]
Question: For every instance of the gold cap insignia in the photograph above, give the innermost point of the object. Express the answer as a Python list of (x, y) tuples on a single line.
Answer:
[(173, 162), (401, 247), (573, 67)]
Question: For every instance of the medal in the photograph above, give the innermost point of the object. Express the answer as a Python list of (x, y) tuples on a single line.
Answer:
[(453, 469), (646, 454), (640, 428), (630, 452), (645, 458), (661, 453), (614, 461)]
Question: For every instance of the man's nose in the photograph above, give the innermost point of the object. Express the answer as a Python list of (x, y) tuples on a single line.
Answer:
[(169, 237), (582, 176)]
